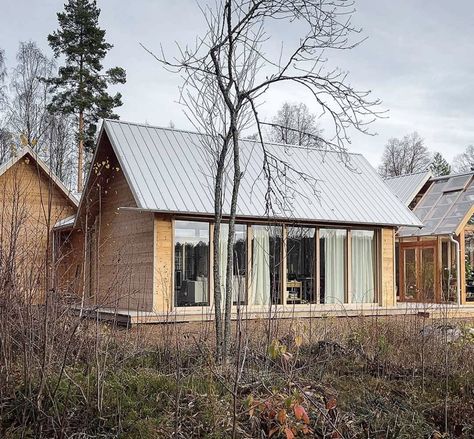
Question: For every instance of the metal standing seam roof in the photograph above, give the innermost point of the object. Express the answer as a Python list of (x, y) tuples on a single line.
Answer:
[(445, 206), (170, 171), (406, 187)]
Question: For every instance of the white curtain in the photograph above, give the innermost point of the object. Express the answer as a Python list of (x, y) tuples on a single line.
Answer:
[(260, 291), (334, 245), (362, 281), (223, 240)]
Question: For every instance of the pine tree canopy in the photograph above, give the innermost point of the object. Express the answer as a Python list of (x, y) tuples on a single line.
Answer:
[(81, 86), (439, 166)]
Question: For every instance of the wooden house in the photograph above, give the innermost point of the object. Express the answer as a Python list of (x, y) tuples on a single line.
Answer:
[(435, 262), (142, 241), (32, 201)]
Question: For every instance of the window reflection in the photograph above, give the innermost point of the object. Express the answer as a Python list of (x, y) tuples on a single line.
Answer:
[(191, 263), (300, 265)]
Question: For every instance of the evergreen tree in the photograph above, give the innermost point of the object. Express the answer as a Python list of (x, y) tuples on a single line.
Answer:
[(80, 87), (439, 166)]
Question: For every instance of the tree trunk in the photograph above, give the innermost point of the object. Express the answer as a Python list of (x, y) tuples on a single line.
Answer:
[(80, 155), (216, 239), (230, 240)]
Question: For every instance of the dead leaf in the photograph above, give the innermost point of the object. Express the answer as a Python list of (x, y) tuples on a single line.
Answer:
[(300, 412), (331, 403), (282, 416), (289, 434), (273, 431)]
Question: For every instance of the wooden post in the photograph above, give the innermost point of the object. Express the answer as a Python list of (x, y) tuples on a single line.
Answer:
[(462, 266), (439, 270)]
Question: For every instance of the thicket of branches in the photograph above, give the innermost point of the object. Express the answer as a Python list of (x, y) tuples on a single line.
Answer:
[(225, 77)]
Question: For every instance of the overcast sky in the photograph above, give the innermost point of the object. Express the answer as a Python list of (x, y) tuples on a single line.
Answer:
[(418, 59)]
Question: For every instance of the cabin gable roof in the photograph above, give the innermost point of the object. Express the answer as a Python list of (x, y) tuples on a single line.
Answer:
[(28, 152), (171, 171)]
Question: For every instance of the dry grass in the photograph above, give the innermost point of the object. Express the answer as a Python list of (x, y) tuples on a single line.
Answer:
[(353, 377)]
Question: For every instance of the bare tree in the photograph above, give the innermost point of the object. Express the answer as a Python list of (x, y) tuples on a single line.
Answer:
[(405, 156), (60, 150), (464, 162), (295, 125), (6, 143), (27, 112), (3, 74), (227, 73), (4, 134)]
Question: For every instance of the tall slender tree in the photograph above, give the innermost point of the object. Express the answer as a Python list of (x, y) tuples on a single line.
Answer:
[(81, 87), (27, 110), (3, 74)]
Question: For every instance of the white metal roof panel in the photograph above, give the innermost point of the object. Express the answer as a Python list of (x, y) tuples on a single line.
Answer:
[(171, 170), (406, 187)]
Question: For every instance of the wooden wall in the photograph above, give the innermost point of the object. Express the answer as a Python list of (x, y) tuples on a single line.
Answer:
[(30, 205), (118, 242), (387, 273), (163, 269), (69, 263)]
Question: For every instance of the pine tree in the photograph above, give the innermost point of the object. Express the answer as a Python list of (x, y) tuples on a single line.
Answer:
[(439, 165), (80, 87)]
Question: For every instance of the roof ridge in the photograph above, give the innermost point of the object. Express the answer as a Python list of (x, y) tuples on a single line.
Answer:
[(179, 130), (426, 171)]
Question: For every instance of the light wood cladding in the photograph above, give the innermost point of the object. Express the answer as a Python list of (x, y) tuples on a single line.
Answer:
[(30, 205), (387, 293), (163, 267), (119, 242)]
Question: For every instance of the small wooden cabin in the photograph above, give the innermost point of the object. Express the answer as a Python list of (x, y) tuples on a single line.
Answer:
[(436, 262), (143, 232), (32, 201)]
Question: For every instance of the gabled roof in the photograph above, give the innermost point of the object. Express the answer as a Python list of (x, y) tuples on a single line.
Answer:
[(27, 151), (171, 171), (446, 207), (406, 187)]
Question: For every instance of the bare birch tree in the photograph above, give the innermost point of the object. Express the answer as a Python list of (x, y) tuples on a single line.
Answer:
[(295, 125), (464, 162), (27, 112), (227, 73), (3, 74)]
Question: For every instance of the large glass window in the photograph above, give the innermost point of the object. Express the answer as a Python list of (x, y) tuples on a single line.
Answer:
[(239, 261), (300, 265), (191, 263), (266, 265), (332, 265), (363, 266)]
